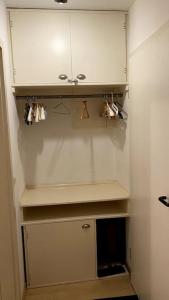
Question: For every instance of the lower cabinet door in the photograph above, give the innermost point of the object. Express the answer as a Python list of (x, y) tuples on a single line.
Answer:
[(60, 252)]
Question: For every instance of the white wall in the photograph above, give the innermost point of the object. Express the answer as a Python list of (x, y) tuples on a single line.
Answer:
[(146, 17), (13, 124), (8, 272), (149, 109), (64, 149)]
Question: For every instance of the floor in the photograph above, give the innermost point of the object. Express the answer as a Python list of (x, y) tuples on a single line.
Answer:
[(110, 287)]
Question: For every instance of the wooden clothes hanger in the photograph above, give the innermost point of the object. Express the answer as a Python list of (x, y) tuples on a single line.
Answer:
[(85, 113)]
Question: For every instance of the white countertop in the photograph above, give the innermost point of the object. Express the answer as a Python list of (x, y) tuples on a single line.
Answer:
[(71, 194)]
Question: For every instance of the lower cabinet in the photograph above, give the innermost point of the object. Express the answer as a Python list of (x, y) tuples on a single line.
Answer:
[(60, 252)]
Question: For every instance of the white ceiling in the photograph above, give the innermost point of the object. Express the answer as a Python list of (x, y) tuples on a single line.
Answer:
[(72, 4)]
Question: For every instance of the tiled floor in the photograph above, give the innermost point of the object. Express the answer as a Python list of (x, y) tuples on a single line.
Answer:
[(102, 288)]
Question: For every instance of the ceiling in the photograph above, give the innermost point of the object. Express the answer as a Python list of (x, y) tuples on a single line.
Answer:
[(72, 4)]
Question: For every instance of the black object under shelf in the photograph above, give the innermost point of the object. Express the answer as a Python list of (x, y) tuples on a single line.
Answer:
[(110, 270), (111, 247), (133, 297)]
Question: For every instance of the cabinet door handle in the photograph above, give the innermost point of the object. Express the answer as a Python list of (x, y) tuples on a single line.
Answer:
[(86, 226), (75, 81), (63, 77), (81, 77), (164, 200)]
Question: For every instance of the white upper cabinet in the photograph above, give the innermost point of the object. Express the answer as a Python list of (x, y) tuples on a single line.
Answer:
[(98, 41), (41, 46), (88, 47)]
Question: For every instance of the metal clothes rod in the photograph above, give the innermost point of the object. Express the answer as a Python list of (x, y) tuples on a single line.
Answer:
[(46, 97)]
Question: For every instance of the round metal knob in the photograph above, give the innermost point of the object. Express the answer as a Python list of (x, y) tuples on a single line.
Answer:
[(81, 77), (63, 77), (86, 226)]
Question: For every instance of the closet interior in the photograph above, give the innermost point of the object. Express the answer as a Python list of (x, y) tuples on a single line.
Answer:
[(76, 200), (87, 109), (71, 92)]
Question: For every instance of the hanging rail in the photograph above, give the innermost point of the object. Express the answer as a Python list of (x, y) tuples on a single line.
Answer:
[(46, 97)]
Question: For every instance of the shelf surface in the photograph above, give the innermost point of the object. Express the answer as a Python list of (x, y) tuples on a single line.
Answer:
[(71, 194)]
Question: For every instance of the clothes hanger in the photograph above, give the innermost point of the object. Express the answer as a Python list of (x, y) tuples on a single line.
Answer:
[(114, 106), (85, 113), (61, 109), (34, 111), (108, 111), (122, 113)]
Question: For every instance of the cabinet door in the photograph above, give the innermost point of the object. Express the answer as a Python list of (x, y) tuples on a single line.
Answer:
[(98, 41), (60, 252), (40, 46)]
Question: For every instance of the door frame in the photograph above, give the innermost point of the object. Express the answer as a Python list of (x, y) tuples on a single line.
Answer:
[(9, 260)]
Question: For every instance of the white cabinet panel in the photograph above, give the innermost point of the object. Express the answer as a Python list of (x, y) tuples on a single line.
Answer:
[(46, 44), (98, 41), (40, 46), (60, 252)]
